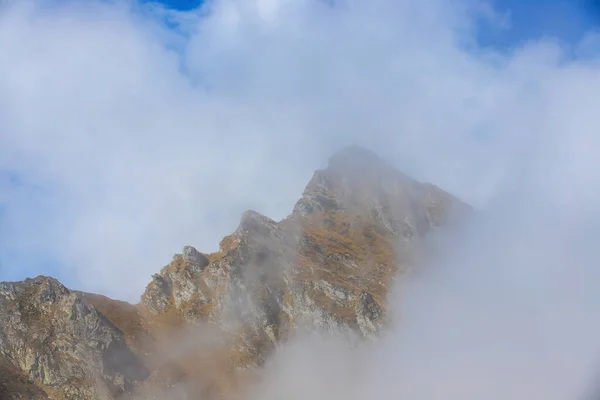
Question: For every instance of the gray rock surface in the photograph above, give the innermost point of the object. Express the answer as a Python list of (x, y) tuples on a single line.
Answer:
[(62, 343)]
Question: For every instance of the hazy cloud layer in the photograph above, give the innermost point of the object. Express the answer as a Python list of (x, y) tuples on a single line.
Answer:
[(506, 309), (131, 139)]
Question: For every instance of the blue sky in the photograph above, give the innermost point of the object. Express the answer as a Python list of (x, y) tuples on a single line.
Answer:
[(182, 4), (33, 210), (530, 19)]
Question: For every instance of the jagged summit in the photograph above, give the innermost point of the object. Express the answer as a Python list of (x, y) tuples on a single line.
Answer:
[(356, 158), (192, 255), (253, 221), (359, 181), (327, 267)]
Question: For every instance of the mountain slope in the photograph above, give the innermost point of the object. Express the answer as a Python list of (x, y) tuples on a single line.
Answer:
[(206, 320)]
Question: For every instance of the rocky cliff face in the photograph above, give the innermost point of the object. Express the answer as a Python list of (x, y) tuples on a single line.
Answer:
[(59, 341), (207, 318)]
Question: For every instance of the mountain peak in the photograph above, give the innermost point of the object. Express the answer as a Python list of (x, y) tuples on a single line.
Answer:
[(356, 157), (360, 181)]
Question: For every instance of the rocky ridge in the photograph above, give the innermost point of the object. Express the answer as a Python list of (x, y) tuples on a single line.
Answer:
[(207, 320)]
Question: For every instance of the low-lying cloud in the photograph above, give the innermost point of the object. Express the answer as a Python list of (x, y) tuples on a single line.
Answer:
[(503, 309)]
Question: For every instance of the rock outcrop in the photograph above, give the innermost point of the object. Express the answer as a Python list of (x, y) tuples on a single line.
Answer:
[(327, 267), (62, 343), (15, 384)]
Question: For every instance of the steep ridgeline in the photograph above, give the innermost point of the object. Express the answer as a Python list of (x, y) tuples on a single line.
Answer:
[(206, 321)]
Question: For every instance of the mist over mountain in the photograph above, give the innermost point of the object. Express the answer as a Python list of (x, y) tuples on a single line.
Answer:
[(133, 130), (376, 285), (206, 321)]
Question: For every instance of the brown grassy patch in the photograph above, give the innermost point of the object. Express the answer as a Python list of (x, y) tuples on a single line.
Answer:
[(346, 314), (343, 238), (126, 317)]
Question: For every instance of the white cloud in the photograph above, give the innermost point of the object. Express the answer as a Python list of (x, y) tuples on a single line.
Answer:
[(140, 140), (132, 141)]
